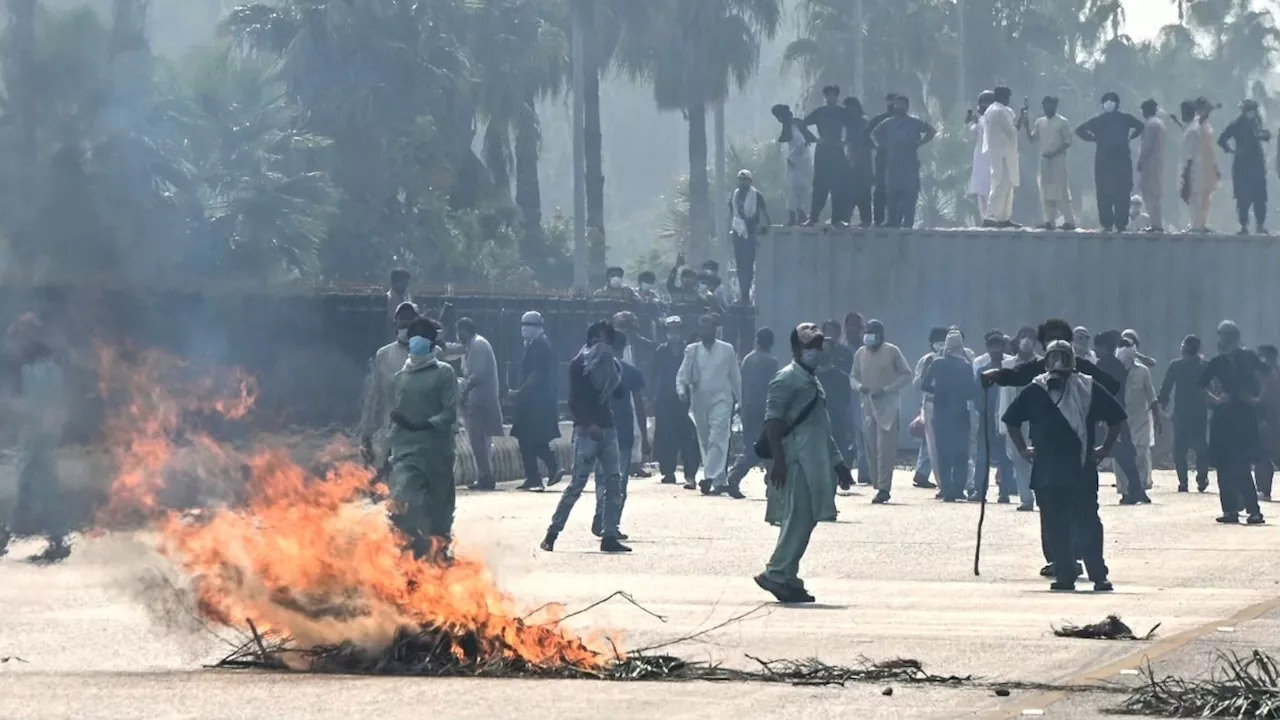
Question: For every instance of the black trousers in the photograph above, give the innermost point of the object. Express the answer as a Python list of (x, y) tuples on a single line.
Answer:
[(530, 454), (1190, 436), (1236, 490), (744, 255), (1113, 208), (952, 439), (675, 437), (902, 208), (879, 202), (1263, 474), (1259, 210), (1125, 455), (842, 431), (1073, 529), (859, 198), (829, 178)]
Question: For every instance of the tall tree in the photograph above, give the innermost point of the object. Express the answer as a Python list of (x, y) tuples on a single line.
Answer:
[(692, 52)]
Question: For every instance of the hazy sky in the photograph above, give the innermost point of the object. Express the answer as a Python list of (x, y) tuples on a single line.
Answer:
[(1144, 17)]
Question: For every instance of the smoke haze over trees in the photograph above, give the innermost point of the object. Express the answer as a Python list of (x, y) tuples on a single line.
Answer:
[(334, 139)]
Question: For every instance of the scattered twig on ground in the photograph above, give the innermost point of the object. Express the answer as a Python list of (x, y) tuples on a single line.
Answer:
[(616, 594), (1113, 628), (13, 658), (1239, 687)]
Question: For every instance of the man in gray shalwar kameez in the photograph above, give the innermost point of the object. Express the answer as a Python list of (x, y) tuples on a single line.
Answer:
[(481, 407), (806, 464)]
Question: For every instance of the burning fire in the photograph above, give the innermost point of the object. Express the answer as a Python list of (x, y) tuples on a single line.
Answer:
[(300, 553)]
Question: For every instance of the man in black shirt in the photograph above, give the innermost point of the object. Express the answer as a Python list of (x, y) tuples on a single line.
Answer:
[(858, 149), (1190, 413), (1064, 409), (595, 379), (830, 167), (879, 193), (1112, 165), (1233, 429), (1249, 166), (674, 436)]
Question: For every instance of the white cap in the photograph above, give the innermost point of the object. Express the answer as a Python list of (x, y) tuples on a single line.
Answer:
[(533, 317)]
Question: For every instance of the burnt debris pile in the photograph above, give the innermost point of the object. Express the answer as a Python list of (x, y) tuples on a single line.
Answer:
[(1112, 628)]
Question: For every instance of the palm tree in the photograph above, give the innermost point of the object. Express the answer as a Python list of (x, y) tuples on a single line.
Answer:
[(691, 51)]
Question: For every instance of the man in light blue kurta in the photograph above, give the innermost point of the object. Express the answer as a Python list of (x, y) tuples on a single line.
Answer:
[(806, 464)]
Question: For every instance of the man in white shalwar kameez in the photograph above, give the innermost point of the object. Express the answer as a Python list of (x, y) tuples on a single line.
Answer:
[(1140, 402), (1000, 140), (1053, 135), (710, 380), (980, 176), (1200, 173), (796, 141)]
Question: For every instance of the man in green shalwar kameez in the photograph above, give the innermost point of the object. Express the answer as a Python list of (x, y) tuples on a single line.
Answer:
[(806, 464), (424, 417)]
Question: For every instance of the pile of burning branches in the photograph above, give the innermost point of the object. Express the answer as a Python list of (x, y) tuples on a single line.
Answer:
[(1240, 687), (1113, 628)]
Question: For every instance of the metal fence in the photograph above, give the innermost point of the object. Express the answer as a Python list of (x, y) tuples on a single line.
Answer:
[(309, 352)]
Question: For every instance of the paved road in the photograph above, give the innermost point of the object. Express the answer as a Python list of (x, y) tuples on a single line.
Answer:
[(892, 581)]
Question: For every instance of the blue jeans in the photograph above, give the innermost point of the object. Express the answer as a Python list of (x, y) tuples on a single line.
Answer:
[(624, 466), (923, 465), (999, 458), (586, 453)]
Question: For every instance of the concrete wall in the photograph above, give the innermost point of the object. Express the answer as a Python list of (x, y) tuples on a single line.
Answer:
[(1163, 286)]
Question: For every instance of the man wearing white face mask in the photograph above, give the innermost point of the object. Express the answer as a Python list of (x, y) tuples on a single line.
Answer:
[(880, 372), (1143, 408), (537, 417), (376, 410), (1113, 166), (614, 288)]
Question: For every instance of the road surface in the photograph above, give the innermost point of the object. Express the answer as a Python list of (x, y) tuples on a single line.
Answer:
[(891, 581)]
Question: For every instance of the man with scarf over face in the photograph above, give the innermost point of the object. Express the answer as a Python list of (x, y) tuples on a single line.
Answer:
[(537, 417), (424, 419), (595, 380), (1111, 131), (806, 464), (1063, 409)]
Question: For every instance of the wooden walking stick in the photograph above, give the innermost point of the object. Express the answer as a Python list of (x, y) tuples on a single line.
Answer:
[(986, 471)]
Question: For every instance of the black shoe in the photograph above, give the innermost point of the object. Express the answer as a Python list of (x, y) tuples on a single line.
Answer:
[(1063, 587), (549, 542), (623, 536), (705, 486), (612, 545), (556, 477), (1004, 500), (1202, 484), (597, 526), (800, 596), (987, 223), (922, 481), (532, 487), (1143, 499), (735, 493), (1045, 226), (1228, 520), (1047, 571), (669, 480), (1068, 227), (1128, 500), (1183, 488), (1103, 586), (690, 484), (881, 497), (57, 551), (780, 592), (1256, 519), (482, 486), (1026, 508)]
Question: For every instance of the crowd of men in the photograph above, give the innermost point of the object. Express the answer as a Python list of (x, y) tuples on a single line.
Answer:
[(873, 165), (1035, 400)]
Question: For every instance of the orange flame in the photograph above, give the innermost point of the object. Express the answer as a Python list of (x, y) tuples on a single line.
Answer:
[(300, 554)]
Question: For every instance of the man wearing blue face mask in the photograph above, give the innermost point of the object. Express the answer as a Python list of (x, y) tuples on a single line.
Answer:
[(1111, 131), (537, 418), (424, 419)]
